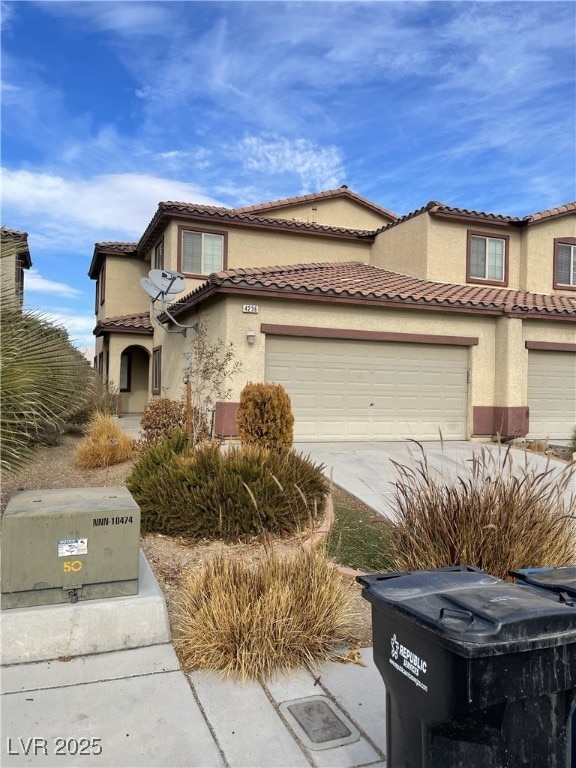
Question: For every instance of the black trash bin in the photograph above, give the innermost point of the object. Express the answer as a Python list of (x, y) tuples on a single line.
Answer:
[(560, 582), (479, 673)]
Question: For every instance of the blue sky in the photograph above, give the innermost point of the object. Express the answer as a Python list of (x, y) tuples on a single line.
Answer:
[(110, 107)]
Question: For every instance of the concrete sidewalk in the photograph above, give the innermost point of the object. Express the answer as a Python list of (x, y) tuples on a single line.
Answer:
[(137, 708)]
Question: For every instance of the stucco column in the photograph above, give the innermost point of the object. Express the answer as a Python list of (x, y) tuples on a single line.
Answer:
[(510, 378)]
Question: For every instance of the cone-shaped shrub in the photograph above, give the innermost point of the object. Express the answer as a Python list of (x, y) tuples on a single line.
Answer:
[(265, 417), (206, 492)]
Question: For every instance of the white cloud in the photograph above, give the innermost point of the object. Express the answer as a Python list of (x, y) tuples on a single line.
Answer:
[(36, 283), (108, 205), (317, 167)]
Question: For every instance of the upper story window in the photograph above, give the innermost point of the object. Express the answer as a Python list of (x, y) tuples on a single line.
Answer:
[(565, 263), (19, 279), (202, 253), (100, 287), (159, 255), (487, 259)]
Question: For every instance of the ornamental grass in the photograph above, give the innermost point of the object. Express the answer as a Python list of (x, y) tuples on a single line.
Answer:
[(498, 516), (255, 619), (105, 444)]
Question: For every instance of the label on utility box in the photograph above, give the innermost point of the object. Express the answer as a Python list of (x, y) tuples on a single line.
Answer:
[(68, 547)]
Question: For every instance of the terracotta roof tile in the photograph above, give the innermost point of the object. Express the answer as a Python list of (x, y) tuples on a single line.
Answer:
[(355, 280), (342, 191), (434, 208), (115, 247), (140, 323), (231, 214)]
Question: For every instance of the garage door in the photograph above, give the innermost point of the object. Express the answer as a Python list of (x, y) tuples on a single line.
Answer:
[(551, 394), (364, 390)]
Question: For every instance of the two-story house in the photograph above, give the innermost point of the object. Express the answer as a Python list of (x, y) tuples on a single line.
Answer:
[(15, 258), (379, 327)]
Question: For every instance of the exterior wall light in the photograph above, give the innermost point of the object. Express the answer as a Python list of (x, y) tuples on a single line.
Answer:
[(250, 337)]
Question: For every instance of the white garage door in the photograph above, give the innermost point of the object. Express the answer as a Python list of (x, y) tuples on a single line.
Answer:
[(551, 394), (365, 390)]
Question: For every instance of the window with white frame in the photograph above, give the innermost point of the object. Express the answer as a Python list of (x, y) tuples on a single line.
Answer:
[(202, 252), (486, 258), (565, 264)]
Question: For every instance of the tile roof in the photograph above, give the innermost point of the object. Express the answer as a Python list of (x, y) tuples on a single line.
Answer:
[(356, 281), (138, 323), (434, 208), (15, 237), (342, 191), (231, 214), (115, 247)]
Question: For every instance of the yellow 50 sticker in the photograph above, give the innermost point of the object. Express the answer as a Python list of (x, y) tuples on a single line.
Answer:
[(72, 566)]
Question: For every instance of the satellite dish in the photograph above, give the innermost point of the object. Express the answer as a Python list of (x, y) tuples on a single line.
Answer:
[(168, 282), (164, 284), (153, 291)]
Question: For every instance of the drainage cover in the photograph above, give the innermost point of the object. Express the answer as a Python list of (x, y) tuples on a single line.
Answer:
[(318, 723)]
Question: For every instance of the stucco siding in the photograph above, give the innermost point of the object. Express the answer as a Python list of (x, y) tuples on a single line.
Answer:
[(337, 212), (539, 253), (123, 294), (403, 248)]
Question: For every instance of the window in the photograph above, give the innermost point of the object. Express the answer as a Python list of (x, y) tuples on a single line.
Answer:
[(19, 279), (125, 372), (202, 253), (156, 370), (487, 259), (100, 365), (100, 282), (565, 263), (159, 255)]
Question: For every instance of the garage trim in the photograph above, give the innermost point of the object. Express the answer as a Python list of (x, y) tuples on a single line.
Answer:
[(553, 346), (347, 333)]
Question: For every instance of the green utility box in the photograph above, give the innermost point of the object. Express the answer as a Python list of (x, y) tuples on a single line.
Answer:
[(65, 545)]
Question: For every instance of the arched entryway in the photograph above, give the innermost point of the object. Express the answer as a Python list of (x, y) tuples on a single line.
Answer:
[(133, 379)]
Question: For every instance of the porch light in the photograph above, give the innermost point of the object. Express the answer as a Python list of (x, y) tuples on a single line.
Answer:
[(250, 337)]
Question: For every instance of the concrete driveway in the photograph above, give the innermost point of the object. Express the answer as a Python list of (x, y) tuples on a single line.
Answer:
[(367, 471)]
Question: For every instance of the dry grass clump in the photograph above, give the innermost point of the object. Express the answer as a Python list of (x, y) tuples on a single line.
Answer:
[(499, 518), (105, 444), (251, 620)]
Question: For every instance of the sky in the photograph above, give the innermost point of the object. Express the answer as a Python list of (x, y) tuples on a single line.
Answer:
[(110, 107)]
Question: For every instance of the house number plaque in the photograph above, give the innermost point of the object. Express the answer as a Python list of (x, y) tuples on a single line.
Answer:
[(251, 309)]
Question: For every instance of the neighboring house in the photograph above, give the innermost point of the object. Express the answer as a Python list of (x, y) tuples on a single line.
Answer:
[(379, 327), (15, 258)]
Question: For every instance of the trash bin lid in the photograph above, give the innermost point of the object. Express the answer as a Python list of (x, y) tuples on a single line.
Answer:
[(561, 579), (471, 611)]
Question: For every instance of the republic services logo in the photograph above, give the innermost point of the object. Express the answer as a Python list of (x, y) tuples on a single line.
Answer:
[(395, 646)]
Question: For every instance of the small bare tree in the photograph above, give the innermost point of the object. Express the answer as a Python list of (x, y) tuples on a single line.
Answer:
[(208, 369)]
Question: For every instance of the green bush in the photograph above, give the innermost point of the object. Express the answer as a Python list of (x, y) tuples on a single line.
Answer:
[(265, 416), (500, 517), (204, 491), (162, 417)]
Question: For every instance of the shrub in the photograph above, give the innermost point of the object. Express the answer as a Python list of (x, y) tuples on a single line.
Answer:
[(206, 492), (265, 416), (499, 518), (105, 444), (99, 397), (162, 417), (277, 614)]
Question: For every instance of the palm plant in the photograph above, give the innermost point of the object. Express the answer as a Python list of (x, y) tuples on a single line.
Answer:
[(42, 375)]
